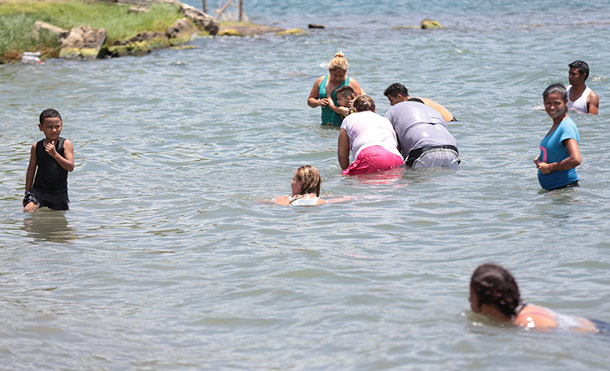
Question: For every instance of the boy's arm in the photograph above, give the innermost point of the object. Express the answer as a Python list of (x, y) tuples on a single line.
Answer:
[(29, 175), (67, 160), (338, 109)]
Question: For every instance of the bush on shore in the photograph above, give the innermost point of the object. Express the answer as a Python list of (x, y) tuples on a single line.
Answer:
[(17, 18)]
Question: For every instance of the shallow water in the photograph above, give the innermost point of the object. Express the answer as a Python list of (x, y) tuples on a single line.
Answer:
[(170, 259)]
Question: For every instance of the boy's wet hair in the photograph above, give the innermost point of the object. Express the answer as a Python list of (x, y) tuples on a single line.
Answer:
[(345, 91), (364, 103), (310, 178), (395, 89), (47, 114), (415, 100), (495, 286), (556, 88), (581, 66)]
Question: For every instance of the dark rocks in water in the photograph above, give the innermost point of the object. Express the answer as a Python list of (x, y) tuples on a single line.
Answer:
[(143, 36), (311, 25), (83, 42), (142, 43)]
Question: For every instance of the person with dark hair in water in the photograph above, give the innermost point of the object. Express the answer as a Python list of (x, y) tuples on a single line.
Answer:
[(397, 93), (423, 138), (580, 97), (495, 293), (559, 151), (51, 158)]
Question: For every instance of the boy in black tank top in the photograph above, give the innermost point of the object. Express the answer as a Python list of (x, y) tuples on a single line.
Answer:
[(50, 160)]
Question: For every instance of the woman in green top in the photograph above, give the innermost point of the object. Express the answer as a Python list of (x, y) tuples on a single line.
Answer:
[(336, 78)]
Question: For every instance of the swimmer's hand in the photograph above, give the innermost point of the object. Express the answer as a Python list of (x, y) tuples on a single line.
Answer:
[(544, 167), (536, 161), (323, 102)]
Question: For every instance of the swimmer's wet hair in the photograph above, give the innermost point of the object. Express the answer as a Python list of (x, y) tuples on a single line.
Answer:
[(581, 66), (364, 103), (495, 286), (395, 89), (310, 178), (556, 88), (345, 91), (47, 114), (338, 62)]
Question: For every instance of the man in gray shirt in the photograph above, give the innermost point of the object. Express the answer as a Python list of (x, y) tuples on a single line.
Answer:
[(423, 136)]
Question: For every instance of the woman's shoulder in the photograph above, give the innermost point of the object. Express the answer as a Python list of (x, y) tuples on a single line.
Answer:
[(568, 125), (319, 80), (568, 120), (354, 84), (309, 199)]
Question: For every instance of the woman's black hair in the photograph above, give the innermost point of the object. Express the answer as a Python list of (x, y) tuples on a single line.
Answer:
[(556, 88)]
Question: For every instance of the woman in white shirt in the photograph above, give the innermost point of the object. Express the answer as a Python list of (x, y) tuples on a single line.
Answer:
[(371, 139)]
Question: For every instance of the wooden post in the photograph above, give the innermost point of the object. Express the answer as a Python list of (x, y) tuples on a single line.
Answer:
[(241, 10), (223, 9), (205, 6)]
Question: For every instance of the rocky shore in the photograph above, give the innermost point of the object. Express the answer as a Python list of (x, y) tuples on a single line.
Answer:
[(100, 28), (86, 42)]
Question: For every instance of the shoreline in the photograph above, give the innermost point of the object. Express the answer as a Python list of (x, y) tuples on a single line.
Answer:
[(78, 29), (86, 30)]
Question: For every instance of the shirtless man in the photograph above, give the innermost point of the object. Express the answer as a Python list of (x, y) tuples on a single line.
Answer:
[(580, 97)]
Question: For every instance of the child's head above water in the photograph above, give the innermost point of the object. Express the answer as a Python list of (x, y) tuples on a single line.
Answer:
[(306, 180), (345, 95), (48, 113), (50, 124), (493, 286)]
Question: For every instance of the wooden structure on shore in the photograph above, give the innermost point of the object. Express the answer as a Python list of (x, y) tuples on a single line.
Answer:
[(222, 10)]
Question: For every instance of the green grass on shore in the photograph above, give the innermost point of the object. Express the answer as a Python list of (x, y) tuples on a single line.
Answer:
[(17, 20)]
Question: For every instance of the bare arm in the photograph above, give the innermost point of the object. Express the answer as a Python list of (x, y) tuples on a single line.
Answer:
[(333, 200), (593, 103), (567, 163), (67, 160), (447, 116), (313, 100), (338, 109), (29, 175), (343, 149)]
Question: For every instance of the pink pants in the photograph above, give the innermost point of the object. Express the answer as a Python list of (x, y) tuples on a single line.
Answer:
[(372, 159)]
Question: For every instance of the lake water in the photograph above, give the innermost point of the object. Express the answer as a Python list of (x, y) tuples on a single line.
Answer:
[(170, 259)]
